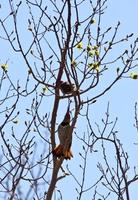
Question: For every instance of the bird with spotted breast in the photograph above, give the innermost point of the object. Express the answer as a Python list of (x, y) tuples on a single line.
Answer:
[(65, 139)]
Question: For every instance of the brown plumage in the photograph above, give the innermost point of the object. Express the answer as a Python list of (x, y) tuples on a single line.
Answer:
[(67, 88), (65, 139)]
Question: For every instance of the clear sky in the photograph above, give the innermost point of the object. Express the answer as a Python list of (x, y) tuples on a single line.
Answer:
[(121, 97)]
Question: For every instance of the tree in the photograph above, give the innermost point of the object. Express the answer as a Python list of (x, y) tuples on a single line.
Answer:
[(54, 42)]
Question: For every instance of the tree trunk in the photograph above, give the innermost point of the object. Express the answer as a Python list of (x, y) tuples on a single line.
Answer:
[(53, 182)]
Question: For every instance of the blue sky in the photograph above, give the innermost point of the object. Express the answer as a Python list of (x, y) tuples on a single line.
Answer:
[(122, 98)]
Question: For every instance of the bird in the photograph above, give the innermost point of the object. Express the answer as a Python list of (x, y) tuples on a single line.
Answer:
[(67, 88), (65, 139)]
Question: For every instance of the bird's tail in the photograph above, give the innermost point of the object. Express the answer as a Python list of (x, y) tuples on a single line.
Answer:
[(59, 151), (68, 154)]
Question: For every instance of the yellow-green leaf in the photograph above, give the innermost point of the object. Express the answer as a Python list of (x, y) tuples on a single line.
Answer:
[(79, 46), (4, 67), (134, 75)]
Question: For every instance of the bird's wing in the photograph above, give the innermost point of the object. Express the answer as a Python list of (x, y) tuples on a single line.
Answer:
[(64, 134)]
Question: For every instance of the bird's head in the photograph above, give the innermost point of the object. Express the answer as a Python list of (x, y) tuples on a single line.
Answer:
[(67, 117)]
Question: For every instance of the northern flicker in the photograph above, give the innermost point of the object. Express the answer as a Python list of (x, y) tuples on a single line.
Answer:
[(65, 138), (66, 87)]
